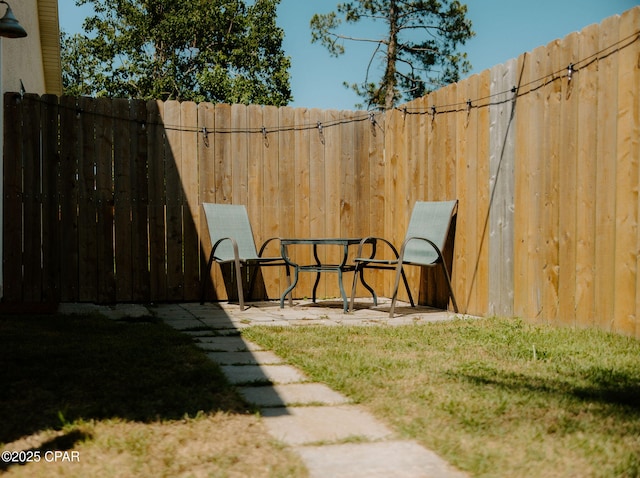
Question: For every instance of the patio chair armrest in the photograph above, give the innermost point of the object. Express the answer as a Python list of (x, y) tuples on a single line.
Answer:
[(430, 242), (265, 243), (374, 241), (234, 245)]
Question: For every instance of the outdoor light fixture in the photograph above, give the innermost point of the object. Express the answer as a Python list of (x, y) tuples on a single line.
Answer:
[(9, 26)]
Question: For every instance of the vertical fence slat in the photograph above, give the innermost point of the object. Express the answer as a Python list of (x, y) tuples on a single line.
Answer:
[(551, 146), (104, 186), (302, 191), (481, 273), (467, 114), (50, 165), (190, 207), (87, 201), (377, 177), (206, 188), (347, 175), (465, 196), (139, 202), (123, 198), (156, 151), (31, 194), (568, 213), (334, 187), (68, 253), (174, 198), (12, 200), (628, 134), (88, 261), (270, 186), (362, 181), (606, 170), (533, 303), (255, 185), (317, 182), (394, 219), (286, 177), (223, 169), (524, 202), (586, 180), (239, 163), (501, 188), (360, 226)]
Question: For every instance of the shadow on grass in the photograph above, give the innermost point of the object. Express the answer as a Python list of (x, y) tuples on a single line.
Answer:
[(58, 369), (617, 391)]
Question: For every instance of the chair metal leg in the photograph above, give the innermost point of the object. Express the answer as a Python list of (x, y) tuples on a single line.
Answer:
[(353, 288), (399, 273), (289, 285), (239, 283), (448, 277), (368, 287), (406, 286), (204, 278), (252, 281), (289, 290)]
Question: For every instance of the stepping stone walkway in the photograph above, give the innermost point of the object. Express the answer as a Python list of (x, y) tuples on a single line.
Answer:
[(334, 437)]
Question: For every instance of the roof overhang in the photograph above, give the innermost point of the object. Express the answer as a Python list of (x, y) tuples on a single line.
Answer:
[(50, 45)]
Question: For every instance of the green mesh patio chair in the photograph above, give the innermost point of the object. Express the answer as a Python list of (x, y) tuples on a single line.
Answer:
[(232, 242), (423, 244)]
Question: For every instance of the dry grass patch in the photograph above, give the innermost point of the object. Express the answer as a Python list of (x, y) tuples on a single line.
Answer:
[(213, 445)]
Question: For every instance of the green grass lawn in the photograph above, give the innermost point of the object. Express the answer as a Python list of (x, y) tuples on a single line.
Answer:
[(496, 398), (131, 398)]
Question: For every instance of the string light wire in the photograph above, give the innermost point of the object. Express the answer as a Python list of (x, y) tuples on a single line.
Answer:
[(434, 109)]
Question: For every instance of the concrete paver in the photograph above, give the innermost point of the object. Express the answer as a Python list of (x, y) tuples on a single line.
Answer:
[(397, 459), (248, 374), (245, 358), (225, 344), (292, 394), (315, 424)]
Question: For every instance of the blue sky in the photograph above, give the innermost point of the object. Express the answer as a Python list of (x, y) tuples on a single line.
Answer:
[(504, 30)]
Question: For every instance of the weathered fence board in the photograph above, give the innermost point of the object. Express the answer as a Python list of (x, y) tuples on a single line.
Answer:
[(50, 216), (606, 170), (628, 145), (123, 199), (501, 170), (12, 202), (586, 180)]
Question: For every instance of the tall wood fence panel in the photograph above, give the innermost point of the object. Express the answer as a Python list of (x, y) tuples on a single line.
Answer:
[(102, 198), (543, 154)]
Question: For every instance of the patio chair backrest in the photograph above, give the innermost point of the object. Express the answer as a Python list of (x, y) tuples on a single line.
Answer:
[(230, 220), (430, 220)]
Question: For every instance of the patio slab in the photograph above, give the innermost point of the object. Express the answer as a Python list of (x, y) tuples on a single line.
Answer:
[(248, 374), (397, 459), (320, 424), (293, 394), (226, 344), (245, 358)]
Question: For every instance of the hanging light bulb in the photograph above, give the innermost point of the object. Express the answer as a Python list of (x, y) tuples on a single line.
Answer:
[(9, 26)]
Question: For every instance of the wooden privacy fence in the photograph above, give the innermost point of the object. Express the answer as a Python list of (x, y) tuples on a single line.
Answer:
[(543, 153), (102, 197)]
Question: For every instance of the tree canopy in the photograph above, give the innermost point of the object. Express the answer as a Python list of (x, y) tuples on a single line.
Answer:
[(199, 50), (418, 49)]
